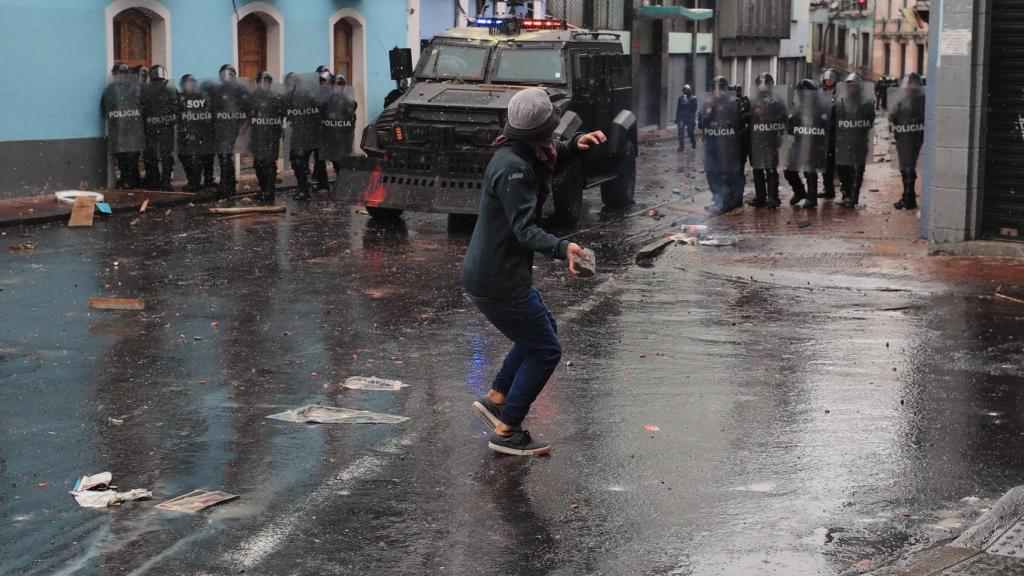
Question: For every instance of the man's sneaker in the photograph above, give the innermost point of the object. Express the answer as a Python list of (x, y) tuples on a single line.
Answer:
[(487, 411), (519, 443)]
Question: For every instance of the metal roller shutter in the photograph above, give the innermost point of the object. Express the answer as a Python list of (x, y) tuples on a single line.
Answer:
[(1003, 203)]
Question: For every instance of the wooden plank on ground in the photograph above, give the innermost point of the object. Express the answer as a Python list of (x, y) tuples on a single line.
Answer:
[(101, 303), (249, 210), (145, 204), (654, 248), (82, 212)]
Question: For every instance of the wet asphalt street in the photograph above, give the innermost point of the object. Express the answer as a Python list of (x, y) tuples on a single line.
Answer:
[(803, 423)]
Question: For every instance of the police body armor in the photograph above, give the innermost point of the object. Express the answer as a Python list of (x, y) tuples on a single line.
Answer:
[(720, 122), (809, 125), (230, 112), (767, 127), (304, 119), (339, 124), (122, 111), (266, 119), (195, 124), (906, 121), (855, 117)]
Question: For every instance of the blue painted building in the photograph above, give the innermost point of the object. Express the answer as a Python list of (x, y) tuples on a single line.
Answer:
[(56, 58)]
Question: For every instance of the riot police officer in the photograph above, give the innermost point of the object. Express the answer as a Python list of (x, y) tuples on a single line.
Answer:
[(743, 109), (829, 83), (122, 111), (160, 113), (686, 117), (230, 111), (855, 117), (767, 127), (808, 124), (320, 176), (267, 113), (195, 130), (720, 122), (338, 122), (906, 122), (304, 121)]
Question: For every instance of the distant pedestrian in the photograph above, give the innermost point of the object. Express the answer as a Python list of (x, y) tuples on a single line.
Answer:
[(497, 272), (686, 117)]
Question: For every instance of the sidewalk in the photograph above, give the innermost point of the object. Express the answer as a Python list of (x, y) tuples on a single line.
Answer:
[(45, 208)]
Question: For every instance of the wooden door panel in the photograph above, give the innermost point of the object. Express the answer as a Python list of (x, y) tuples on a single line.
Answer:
[(252, 46)]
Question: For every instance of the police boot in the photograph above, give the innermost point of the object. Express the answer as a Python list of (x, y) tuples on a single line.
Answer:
[(856, 181), (799, 192), (773, 189), (323, 181), (760, 190), (909, 199)]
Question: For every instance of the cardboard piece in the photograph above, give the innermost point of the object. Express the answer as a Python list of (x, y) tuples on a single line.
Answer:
[(102, 303), (82, 212), (654, 248), (195, 501)]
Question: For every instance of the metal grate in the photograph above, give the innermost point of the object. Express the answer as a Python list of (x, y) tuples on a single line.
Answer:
[(1011, 543), (593, 14)]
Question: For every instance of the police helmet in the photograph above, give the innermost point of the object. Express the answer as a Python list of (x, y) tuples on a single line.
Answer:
[(687, 89), (291, 80), (188, 82), (720, 82), (226, 71), (119, 69), (339, 80), (143, 74), (806, 84), (158, 72), (830, 74), (325, 77), (912, 80), (855, 80), (322, 68), (765, 80), (264, 76)]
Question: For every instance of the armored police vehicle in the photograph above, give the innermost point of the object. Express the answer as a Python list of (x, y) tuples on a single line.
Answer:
[(428, 149)]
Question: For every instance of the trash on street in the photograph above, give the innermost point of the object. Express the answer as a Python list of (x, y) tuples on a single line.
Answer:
[(101, 303), (195, 501), (315, 414), (95, 492), (372, 383)]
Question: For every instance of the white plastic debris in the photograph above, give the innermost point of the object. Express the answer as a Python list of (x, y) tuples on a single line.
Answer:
[(68, 196), (95, 492), (372, 383), (718, 241), (316, 414)]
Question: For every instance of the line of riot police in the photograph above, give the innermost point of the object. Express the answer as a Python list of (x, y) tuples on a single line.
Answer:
[(217, 119), (826, 131)]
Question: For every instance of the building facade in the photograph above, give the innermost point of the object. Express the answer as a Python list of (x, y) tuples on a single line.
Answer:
[(843, 36), (795, 52), (973, 194), (901, 39), (61, 53), (748, 38)]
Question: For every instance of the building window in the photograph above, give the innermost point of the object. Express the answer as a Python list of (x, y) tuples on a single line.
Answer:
[(920, 59), (252, 46), (343, 49), (903, 60), (819, 36), (865, 49), (133, 39), (887, 51), (841, 52)]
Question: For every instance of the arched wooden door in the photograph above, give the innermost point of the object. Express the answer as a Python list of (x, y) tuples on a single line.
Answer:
[(343, 49), (252, 46), (133, 38)]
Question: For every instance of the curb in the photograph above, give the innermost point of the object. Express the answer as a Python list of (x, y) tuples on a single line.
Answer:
[(972, 542)]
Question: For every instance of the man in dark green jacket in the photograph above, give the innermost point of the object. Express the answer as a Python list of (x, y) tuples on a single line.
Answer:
[(497, 272)]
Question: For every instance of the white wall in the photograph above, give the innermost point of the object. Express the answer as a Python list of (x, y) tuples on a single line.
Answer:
[(799, 31)]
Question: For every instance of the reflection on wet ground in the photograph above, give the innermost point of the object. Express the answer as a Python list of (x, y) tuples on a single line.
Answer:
[(704, 423)]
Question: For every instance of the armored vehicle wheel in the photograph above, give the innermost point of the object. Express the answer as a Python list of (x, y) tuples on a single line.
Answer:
[(618, 193), (567, 189), (384, 213)]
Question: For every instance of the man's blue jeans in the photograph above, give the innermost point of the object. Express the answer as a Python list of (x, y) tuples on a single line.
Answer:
[(535, 351)]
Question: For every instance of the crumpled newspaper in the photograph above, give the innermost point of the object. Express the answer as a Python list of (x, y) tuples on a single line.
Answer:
[(95, 492), (372, 383)]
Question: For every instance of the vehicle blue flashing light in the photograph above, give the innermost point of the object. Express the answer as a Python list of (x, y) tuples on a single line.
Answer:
[(488, 22)]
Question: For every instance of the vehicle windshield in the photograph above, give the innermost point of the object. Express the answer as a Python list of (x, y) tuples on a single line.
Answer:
[(532, 66), (450, 61)]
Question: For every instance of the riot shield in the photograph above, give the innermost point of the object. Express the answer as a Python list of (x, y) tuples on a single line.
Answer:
[(906, 125), (230, 99), (768, 111), (339, 124), (303, 104), (122, 113), (268, 108), (809, 123), (195, 122), (855, 119), (719, 121)]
